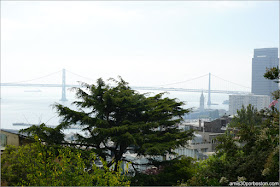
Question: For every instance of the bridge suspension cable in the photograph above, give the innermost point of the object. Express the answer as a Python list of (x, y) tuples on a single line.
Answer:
[(184, 81), (231, 82), (35, 78), (80, 75)]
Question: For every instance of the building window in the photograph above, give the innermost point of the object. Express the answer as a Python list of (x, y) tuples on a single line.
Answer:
[(3, 139)]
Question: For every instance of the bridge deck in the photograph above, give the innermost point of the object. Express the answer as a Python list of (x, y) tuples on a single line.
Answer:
[(134, 87)]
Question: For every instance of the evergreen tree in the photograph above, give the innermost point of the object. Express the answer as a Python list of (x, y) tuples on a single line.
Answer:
[(118, 118), (273, 74), (48, 134)]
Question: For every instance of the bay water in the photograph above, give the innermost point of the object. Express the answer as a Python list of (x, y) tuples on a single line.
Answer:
[(34, 105)]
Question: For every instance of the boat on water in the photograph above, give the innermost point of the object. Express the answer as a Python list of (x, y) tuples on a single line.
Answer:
[(22, 124), (51, 126)]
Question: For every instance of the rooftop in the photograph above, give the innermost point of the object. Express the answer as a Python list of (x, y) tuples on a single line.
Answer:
[(14, 131)]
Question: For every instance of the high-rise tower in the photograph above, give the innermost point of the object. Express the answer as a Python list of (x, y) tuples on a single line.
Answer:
[(201, 107), (264, 58)]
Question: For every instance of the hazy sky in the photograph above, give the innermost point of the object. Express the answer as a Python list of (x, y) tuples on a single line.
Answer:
[(147, 43)]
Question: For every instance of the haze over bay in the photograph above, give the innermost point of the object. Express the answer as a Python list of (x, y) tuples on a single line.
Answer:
[(147, 43)]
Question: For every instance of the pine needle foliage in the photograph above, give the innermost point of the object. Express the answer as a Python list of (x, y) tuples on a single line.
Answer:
[(118, 118)]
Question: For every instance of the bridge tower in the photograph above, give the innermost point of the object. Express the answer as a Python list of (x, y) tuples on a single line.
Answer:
[(209, 91), (63, 97)]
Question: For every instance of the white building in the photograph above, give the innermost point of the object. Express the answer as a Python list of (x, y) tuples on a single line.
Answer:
[(200, 147), (258, 101), (195, 148)]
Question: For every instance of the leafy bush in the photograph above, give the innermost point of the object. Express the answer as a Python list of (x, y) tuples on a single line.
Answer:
[(40, 165), (169, 173)]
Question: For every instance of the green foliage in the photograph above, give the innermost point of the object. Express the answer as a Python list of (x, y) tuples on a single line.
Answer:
[(39, 165), (168, 173), (207, 172), (272, 74), (248, 123), (46, 134), (126, 118), (249, 148)]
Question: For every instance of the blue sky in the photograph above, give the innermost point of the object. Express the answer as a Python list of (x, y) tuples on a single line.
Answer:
[(147, 43)]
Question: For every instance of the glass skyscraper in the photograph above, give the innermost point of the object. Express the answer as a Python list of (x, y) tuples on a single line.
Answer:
[(264, 58)]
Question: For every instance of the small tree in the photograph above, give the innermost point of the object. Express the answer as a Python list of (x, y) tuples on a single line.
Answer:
[(38, 165), (273, 74), (167, 174), (270, 134), (118, 119), (258, 158)]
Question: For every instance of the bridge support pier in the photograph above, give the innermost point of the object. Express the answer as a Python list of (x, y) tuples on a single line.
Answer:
[(63, 97), (209, 91)]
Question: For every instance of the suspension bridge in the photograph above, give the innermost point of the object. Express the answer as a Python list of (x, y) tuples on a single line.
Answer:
[(191, 85)]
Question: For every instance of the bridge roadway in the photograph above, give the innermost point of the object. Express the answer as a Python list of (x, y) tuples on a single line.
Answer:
[(134, 87)]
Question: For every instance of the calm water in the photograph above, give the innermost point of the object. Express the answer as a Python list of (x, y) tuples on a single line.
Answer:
[(19, 105)]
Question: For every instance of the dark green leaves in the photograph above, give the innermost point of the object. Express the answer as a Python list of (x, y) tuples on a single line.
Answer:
[(121, 118), (272, 74)]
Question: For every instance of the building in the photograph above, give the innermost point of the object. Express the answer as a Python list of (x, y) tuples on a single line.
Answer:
[(12, 137), (201, 106), (201, 146), (196, 148), (263, 58), (195, 125), (218, 125), (237, 101), (204, 142)]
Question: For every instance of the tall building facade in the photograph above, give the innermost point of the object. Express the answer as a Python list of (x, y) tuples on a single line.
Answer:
[(201, 103), (263, 58), (237, 101)]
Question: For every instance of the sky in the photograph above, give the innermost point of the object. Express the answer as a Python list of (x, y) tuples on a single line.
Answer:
[(146, 43)]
